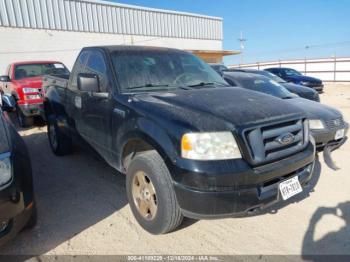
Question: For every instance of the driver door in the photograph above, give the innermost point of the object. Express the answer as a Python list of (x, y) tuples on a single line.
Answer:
[(96, 107)]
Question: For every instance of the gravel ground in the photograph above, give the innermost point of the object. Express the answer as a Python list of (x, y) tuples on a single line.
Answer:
[(83, 209)]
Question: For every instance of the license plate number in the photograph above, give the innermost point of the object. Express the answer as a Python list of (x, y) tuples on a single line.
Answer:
[(290, 188), (339, 134)]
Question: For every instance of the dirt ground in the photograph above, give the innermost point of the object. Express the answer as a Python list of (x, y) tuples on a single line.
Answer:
[(83, 209)]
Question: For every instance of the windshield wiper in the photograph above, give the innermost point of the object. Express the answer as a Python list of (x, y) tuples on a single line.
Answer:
[(156, 85), (207, 84), (288, 97), (147, 85)]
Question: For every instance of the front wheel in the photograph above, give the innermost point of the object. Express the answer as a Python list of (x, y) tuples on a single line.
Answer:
[(151, 194), (60, 144)]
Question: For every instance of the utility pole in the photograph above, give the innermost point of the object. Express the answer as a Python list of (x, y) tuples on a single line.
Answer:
[(242, 46)]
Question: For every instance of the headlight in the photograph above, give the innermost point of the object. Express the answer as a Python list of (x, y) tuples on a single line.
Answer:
[(29, 90), (304, 83), (316, 124), (5, 169), (209, 146)]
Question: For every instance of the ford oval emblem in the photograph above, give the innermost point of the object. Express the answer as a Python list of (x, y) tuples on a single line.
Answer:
[(286, 139)]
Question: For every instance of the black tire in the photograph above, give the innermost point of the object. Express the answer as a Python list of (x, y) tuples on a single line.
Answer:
[(60, 144), (168, 215), (33, 219), (24, 121)]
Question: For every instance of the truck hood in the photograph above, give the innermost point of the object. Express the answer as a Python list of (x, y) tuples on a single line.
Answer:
[(302, 78), (34, 82), (315, 110), (213, 109), (299, 89), (4, 144)]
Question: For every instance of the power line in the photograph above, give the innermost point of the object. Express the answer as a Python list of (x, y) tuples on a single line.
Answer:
[(307, 47)]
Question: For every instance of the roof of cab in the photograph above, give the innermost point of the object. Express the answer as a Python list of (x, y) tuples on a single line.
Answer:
[(36, 62), (120, 48)]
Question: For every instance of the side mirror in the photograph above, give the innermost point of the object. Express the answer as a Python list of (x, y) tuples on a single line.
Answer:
[(5, 79), (8, 103), (88, 82)]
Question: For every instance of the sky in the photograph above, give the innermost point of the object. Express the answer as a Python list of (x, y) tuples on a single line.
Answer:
[(274, 29)]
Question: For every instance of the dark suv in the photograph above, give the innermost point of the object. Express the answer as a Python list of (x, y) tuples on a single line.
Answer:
[(17, 207), (301, 91), (292, 75)]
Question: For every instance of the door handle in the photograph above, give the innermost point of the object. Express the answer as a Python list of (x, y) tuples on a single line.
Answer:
[(77, 102)]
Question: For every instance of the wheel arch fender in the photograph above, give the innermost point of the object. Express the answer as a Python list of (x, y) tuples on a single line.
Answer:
[(150, 136)]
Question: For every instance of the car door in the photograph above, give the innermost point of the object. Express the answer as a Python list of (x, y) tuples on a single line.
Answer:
[(96, 107), (73, 94)]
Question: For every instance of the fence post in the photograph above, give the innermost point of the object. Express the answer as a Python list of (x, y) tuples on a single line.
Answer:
[(335, 68)]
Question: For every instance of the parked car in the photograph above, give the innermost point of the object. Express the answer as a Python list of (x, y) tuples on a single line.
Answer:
[(299, 90), (17, 206), (189, 144), (327, 124), (23, 80), (219, 68), (293, 76)]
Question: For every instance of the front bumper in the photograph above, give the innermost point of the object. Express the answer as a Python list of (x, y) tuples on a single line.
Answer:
[(32, 109), (316, 86), (326, 137), (248, 189), (14, 213)]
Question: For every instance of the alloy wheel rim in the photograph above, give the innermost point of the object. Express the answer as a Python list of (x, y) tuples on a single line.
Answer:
[(144, 195)]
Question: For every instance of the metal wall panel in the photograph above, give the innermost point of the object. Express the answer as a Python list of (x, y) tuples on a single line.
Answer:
[(102, 17)]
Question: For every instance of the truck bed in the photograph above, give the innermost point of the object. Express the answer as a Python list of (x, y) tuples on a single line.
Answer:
[(55, 80)]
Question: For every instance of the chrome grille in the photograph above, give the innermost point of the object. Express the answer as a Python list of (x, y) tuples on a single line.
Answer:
[(335, 123), (268, 143)]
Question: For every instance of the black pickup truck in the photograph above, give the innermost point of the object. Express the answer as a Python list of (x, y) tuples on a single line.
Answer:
[(189, 144)]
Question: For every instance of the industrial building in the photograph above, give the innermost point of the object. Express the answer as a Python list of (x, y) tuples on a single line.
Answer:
[(58, 29)]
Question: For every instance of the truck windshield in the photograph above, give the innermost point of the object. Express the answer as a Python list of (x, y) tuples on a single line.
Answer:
[(291, 72), (153, 70), (267, 86), (33, 70), (269, 75)]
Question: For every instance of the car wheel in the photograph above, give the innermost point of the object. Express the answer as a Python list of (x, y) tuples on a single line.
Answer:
[(60, 144), (151, 194), (24, 121)]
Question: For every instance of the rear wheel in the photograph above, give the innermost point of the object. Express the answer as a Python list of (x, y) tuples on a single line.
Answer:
[(60, 144), (151, 195), (24, 121)]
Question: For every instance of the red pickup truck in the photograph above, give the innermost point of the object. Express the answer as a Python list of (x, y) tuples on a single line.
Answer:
[(23, 80)]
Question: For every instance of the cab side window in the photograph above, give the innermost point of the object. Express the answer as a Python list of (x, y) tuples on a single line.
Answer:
[(278, 72), (78, 68), (96, 64), (230, 82)]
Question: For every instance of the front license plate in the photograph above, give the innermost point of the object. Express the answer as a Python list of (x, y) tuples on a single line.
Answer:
[(339, 134), (290, 188)]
